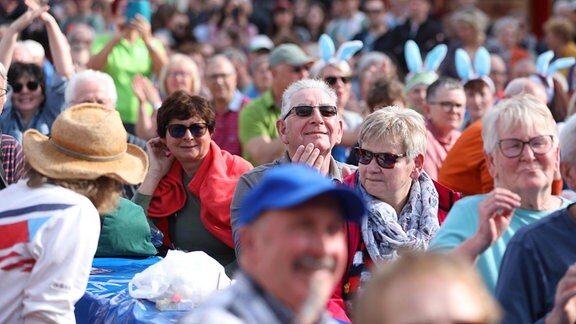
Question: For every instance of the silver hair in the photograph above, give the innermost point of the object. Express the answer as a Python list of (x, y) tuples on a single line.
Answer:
[(473, 17), (442, 83), (187, 63), (568, 141), (369, 59), (301, 85), (523, 112), (319, 66), (396, 125), (3, 72), (89, 75), (220, 59), (502, 23), (520, 86)]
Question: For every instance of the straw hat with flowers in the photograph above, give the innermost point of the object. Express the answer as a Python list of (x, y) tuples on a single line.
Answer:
[(87, 141)]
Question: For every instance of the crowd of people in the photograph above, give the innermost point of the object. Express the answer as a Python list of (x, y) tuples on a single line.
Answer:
[(362, 161)]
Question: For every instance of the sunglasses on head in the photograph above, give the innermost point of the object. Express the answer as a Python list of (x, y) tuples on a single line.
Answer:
[(306, 110), (333, 80), (179, 130), (31, 85), (384, 160)]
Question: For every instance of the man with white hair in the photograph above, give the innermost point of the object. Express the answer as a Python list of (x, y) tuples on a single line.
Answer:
[(98, 87)]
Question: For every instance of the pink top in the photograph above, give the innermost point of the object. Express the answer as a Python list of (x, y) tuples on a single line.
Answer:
[(437, 149)]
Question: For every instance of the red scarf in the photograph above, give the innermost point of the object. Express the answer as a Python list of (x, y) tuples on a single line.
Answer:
[(214, 184)]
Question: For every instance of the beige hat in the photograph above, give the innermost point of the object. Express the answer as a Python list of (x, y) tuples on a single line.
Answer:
[(88, 141)]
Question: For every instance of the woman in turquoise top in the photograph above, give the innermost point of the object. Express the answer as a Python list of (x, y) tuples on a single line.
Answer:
[(522, 154)]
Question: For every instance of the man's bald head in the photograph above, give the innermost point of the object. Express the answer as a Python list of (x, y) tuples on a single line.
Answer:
[(525, 86)]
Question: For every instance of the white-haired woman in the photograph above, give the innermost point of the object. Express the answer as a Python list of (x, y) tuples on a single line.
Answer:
[(521, 146), (401, 198), (180, 73)]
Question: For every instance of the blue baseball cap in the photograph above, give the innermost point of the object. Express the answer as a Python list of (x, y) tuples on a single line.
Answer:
[(290, 185)]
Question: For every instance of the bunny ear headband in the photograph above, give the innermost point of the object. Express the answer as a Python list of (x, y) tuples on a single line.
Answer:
[(478, 70), (422, 72), (545, 70), (329, 55)]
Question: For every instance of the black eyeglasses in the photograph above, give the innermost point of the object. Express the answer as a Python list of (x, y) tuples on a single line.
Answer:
[(447, 105), (31, 85), (513, 147), (384, 160), (333, 80), (179, 130), (306, 110), (299, 69)]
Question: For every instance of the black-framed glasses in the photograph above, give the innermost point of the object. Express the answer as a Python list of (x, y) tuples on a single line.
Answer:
[(384, 160), (306, 110), (31, 85), (513, 147), (179, 130), (332, 80), (447, 105)]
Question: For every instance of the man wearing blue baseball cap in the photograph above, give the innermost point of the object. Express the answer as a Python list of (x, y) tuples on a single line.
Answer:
[(293, 250)]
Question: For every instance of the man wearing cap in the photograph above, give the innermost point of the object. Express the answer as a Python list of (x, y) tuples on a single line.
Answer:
[(294, 250), (415, 89), (49, 223), (257, 121)]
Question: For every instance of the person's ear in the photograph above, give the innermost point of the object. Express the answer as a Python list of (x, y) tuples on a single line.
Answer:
[(489, 158), (426, 109), (340, 131), (282, 129), (418, 166), (568, 172)]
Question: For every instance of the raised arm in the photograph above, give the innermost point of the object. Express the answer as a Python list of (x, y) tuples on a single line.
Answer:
[(59, 46), (8, 41), (157, 53)]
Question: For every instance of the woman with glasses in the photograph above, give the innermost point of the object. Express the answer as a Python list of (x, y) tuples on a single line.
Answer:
[(190, 183), (521, 147), (31, 104), (401, 198)]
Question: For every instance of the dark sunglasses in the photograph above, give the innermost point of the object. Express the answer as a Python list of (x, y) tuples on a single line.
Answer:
[(178, 130), (31, 85), (299, 69), (332, 80), (384, 160), (306, 110)]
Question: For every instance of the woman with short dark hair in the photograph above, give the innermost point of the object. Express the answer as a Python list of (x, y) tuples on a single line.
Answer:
[(191, 181)]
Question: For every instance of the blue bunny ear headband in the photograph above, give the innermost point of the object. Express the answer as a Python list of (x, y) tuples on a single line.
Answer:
[(329, 55), (479, 69), (545, 70), (422, 72)]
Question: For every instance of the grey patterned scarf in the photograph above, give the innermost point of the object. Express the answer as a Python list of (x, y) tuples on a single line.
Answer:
[(384, 232)]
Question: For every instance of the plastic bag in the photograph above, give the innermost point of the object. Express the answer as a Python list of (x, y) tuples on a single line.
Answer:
[(192, 277)]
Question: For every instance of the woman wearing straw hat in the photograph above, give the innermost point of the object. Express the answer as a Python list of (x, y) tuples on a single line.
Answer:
[(49, 223)]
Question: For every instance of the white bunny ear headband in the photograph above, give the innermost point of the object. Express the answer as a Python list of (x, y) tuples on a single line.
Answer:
[(479, 69), (545, 70), (329, 55), (422, 72)]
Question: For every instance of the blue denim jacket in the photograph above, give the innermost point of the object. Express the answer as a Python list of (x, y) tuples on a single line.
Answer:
[(11, 121)]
